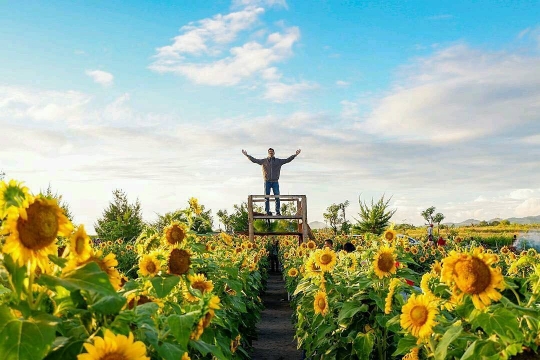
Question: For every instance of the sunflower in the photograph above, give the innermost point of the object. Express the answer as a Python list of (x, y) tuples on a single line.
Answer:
[(194, 206), (325, 259), (311, 267), (424, 283), (390, 235), (412, 355), (33, 231), (347, 260), (149, 265), (311, 245), (388, 301), (175, 233), (114, 347), (13, 193), (292, 272), (384, 262), (179, 261), (320, 304), (418, 315), (226, 238), (436, 267), (472, 274), (80, 244), (213, 303), (414, 250), (134, 300), (199, 282), (235, 343), (107, 264)]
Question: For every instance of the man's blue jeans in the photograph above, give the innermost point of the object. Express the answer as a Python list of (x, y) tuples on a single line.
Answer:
[(274, 185)]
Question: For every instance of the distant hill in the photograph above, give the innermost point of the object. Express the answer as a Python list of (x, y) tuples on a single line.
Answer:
[(513, 220), (316, 225), (526, 220)]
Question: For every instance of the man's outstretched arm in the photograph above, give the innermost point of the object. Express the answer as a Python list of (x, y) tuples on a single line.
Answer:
[(291, 158), (251, 158)]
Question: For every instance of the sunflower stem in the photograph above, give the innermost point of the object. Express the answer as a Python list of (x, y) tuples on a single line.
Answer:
[(516, 295), (29, 291)]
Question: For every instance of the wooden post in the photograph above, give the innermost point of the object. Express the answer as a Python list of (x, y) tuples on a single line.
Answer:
[(304, 219), (250, 218)]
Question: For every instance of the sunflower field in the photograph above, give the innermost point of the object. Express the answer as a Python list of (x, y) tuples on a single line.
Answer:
[(186, 297), (392, 299)]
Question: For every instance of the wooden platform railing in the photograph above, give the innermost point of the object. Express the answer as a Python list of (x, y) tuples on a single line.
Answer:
[(301, 215)]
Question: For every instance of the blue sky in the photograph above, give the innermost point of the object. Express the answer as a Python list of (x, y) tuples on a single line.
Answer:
[(432, 103)]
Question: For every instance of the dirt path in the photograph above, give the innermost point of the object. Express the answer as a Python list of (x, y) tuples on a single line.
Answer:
[(275, 330)]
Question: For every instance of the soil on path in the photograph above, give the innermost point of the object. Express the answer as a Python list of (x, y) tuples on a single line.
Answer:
[(275, 330)]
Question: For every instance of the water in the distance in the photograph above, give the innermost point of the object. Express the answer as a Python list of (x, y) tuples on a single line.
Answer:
[(530, 239)]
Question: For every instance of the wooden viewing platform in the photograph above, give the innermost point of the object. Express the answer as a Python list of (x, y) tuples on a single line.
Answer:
[(301, 215)]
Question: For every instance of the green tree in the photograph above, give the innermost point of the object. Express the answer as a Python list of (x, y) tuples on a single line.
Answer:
[(432, 218), (238, 220), (375, 218), (428, 214), (225, 219), (120, 220), (335, 216), (49, 193), (199, 223), (438, 219)]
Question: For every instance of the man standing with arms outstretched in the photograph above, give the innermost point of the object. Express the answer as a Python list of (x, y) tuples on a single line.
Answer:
[(271, 167)]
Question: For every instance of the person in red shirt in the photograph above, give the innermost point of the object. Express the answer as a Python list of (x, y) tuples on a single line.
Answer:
[(441, 242)]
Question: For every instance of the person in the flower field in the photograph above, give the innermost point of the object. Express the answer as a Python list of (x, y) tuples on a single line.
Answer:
[(271, 167), (441, 241)]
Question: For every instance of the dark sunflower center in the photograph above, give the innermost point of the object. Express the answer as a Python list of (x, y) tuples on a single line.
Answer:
[(386, 262), (179, 261), (114, 356), (199, 285), (419, 315), (472, 275), (321, 303), (151, 267), (79, 244), (40, 229), (389, 236), (326, 259), (175, 235)]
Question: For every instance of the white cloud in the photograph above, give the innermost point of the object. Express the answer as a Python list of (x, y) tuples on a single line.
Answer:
[(460, 94), (101, 77), (342, 83), (243, 62), (212, 52), (528, 207), (281, 92), (19, 103)]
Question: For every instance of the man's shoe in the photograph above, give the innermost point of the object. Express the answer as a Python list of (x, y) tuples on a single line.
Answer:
[(268, 214), (278, 214)]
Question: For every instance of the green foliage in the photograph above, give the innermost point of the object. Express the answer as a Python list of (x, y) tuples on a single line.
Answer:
[(335, 216), (433, 219), (121, 220), (63, 204), (125, 255), (201, 223), (238, 220), (375, 218)]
